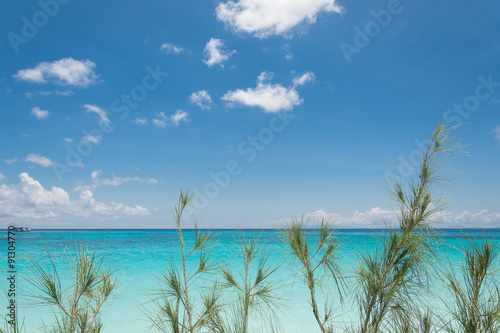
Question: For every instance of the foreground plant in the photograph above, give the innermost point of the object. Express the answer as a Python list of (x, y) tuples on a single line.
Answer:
[(256, 291), (181, 304), (391, 280), (76, 299), (11, 325), (317, 263), (476, 294)]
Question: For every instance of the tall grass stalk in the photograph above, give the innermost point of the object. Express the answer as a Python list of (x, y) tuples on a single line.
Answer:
[(390, 281), (475, 306), (77, 298), (181, 304), (316, 262), (255, 289), (11, 325)]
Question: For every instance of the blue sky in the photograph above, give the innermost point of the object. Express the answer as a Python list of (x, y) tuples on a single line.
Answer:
[(296, 108)]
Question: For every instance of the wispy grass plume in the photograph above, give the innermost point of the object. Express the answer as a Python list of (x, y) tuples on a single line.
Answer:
[(77, 298), (390, 280), (255, 290), (181, 305), (475, 306), (317, 263)]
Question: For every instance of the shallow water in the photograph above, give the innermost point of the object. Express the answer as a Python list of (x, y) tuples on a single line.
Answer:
[(144, 254)]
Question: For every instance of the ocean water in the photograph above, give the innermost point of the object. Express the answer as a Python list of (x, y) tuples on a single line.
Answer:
[(143, 255)]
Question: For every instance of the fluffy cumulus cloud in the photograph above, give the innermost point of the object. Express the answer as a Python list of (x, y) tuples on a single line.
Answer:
[(97, 181), (178, 117), (101, 114), (2, 177), (39, 159), (39, 113), (171, 48), (202, 99), (263, 18), (67, 71), (29, 199), (270, 97), (380, 218), (216, 53)]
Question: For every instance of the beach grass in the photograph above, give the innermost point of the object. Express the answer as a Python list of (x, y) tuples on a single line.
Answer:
[(390, 284)]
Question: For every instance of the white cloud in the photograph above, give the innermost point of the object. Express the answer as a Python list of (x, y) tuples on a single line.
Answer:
[(39, 113), (171, 48), (30, 200), (301, 80), (2, 177), (467, 219), (159, 123), (179, 116), (39, 159), (67, 71), (103, 116), (288, 53), (160, 120), (10, 160), (140, 121), (270, 97), (95, 139), (30, 94), (263, 18), (375, 217), (115, 181), (202, 99), (496, 132), (215, 53), (67, 140), (380, 218)]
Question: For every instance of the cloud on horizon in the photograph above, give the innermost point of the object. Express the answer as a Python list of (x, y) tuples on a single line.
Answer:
[(30, 200), (380, 218)]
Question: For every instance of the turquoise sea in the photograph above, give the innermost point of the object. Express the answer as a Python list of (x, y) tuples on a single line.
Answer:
[(143, 254)]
